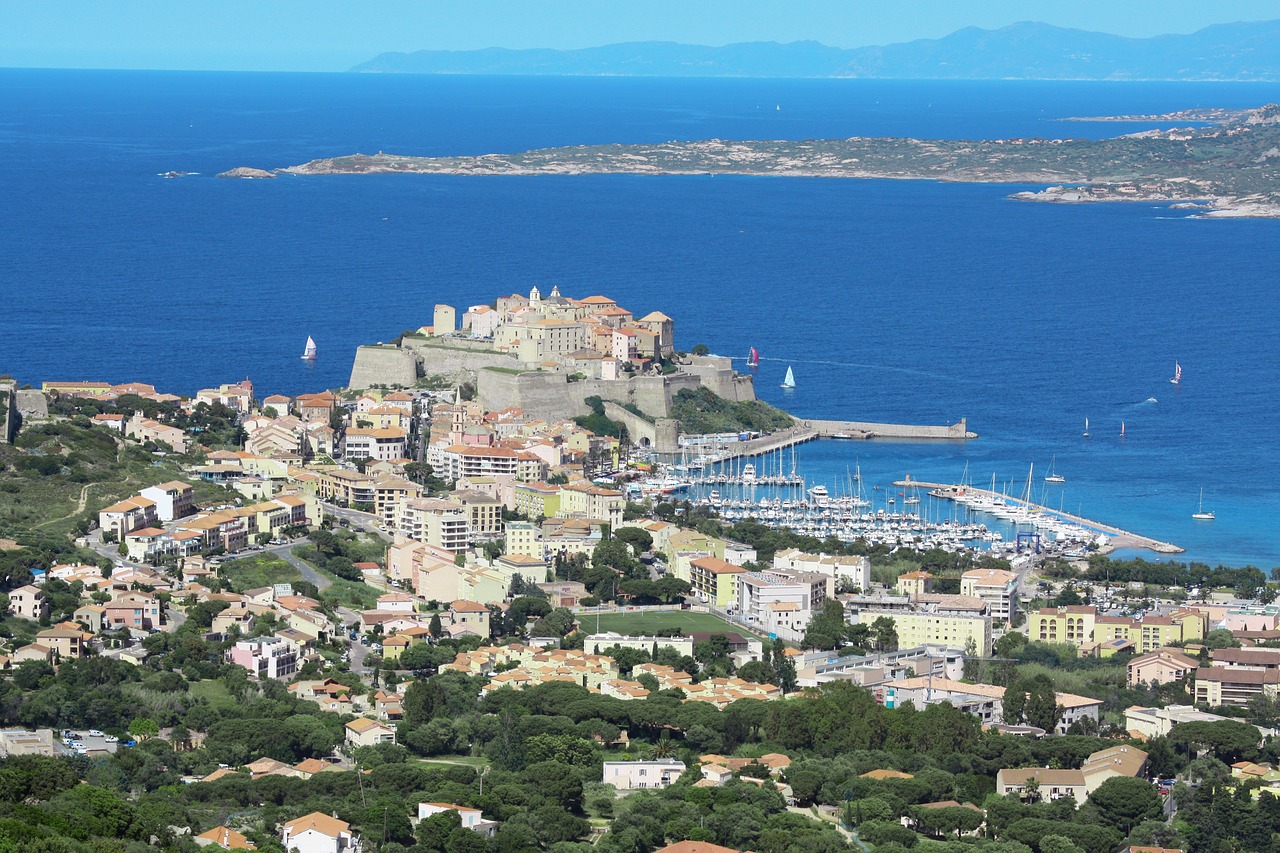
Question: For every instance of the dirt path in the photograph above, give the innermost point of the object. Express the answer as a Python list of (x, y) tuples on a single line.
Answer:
[(80, 504)]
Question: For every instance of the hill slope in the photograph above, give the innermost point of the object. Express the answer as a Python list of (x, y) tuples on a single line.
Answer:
[(1024, 51)]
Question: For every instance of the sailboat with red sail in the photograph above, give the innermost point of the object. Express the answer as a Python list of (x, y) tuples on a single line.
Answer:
[(753, 360)]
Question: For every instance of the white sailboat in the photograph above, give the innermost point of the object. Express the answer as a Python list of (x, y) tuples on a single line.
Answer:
[(1054, 476), (1200, 513), (790, 380), (1177, 374), (309, 354), (1086, 427), (1122, 429)]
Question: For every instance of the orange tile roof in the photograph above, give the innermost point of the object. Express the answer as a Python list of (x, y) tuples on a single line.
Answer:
[(320, 822)]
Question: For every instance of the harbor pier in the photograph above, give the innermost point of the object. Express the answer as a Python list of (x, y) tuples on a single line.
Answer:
[(1119, 538), (810, 430)]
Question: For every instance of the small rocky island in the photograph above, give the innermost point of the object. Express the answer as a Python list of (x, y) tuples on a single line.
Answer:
[(1228, 168)]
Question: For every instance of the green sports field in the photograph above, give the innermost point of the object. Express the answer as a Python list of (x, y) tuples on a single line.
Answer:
[(648, 623)]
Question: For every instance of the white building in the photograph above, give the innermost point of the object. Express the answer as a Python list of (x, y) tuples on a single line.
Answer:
[(856, 571), (472, 819), (596, 643), (378, 444), (319, 833), (174, 499), (781, 601), (998, 588), (438, 523), (633, 775)]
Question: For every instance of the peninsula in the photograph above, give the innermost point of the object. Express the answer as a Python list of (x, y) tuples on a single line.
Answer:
[(1228, 168)]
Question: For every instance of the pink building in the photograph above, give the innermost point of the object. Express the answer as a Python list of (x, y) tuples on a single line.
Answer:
[(266, 657)]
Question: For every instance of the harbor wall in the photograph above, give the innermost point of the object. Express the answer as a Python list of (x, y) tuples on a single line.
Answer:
[(865, 429)]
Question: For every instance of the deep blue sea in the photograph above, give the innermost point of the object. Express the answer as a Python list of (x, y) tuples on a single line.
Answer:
[(892, 300)]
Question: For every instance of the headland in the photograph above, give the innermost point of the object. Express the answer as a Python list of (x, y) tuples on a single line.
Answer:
[(1227, 165)]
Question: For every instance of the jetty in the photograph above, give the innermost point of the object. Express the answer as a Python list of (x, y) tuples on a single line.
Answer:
[(811, 430), (958, 431), (1119, 538)]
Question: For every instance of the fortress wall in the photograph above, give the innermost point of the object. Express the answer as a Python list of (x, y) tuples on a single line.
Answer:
[(8, 411), (545, 395), (383, 365), (717, 374), (460, 360), (642, 432), (32, 405)]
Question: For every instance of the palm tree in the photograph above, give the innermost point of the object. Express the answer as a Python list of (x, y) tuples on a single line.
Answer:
[(664, 748)]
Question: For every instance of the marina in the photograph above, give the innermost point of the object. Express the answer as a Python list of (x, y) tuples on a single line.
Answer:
[(770, 488)]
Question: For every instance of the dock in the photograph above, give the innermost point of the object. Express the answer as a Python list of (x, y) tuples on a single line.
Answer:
[(1119, 538), (865, 430), (811, 430)]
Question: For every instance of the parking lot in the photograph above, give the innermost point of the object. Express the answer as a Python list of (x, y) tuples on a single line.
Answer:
[(89, 743)]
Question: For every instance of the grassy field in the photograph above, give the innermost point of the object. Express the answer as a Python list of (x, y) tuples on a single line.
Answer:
[(215, 692), (257, 571), (353, 594), (647, 623), (474, 761)]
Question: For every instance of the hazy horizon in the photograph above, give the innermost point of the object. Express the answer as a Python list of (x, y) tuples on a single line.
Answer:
[(292, 35)]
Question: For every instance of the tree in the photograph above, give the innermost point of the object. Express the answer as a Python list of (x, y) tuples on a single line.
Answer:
[(1230, 740), (433, 831), (1058, 844), (1124, 802), (699, 349), (885, 632), (1042, 709), (143, 727), (826, 629), (784, 667), (638, 538), (435, 627)]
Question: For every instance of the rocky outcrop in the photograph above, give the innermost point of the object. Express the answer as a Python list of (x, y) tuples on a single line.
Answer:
[(246, 172)]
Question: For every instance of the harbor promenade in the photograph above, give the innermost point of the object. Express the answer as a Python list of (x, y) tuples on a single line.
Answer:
[(1118, 538)]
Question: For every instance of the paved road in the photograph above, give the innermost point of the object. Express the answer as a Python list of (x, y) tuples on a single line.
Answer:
[(309, 574), (367, 520)]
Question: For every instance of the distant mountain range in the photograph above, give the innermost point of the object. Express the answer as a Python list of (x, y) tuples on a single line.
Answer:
[(1247, 51)]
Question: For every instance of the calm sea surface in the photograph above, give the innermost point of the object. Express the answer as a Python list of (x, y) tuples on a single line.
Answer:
[(909, 301)]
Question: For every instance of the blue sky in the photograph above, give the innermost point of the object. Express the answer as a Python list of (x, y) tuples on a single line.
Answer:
[(332, 35)]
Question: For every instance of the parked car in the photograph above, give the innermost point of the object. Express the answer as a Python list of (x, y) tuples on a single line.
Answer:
[(111, 739), (94, 733)]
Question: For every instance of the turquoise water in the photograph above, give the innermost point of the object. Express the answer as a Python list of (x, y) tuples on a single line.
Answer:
[(894, 301)]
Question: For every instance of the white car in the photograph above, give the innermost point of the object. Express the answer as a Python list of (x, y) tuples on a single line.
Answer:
[(94, 733), (111, 739)]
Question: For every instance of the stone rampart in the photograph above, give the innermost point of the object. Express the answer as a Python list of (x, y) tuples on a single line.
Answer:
[(656, 436), (8, 410), (383, 365), (457, 358)]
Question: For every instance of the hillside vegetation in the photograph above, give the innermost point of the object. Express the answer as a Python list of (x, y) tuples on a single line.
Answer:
[(702, 411)]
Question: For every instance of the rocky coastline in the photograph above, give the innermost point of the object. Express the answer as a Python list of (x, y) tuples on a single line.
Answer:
[(1231, 167)]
